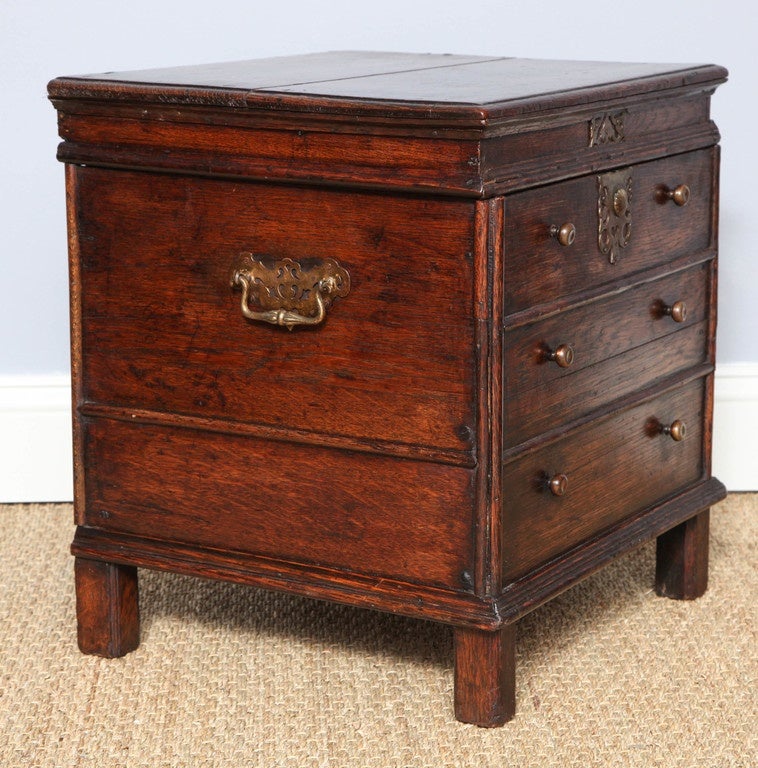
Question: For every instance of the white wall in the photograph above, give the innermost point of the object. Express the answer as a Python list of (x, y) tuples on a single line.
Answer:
[(40, 39)]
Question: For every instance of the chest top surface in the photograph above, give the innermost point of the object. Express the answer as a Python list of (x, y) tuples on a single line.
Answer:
[(473, 86)]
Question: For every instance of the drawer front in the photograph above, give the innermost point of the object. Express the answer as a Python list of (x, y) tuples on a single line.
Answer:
[(614, 467), (163, 329), (367, 514), (617, 345), (539, 269)]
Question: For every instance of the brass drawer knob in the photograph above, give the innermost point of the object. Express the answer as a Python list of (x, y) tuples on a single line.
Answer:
[(562, 355), (680, 195), (677, 311), (558, 484), (676, 431), (565, 234)]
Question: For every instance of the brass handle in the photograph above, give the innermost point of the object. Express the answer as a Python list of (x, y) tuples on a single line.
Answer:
[(676, 431), (285, 292), (676, 311), (565, 234), (563, 355), (680, 195), (558, 484)]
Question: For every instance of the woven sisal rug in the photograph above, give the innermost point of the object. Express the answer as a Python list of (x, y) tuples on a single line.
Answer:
[(608, 673)]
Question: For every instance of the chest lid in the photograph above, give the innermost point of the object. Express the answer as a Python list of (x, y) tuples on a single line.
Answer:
[(462, 100)]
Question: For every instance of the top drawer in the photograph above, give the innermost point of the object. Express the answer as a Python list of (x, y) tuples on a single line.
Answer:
[(624, 222), (163, 330)]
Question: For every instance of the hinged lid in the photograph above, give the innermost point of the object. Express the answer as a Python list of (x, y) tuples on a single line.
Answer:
[(391, 95)]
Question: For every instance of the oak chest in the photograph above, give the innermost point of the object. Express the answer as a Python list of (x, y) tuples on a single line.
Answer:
[(428, 334)]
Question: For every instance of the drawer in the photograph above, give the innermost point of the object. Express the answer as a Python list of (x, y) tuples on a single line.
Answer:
[(163, 330), (538, 269), (363, 513), (617, 345), (614, 468)]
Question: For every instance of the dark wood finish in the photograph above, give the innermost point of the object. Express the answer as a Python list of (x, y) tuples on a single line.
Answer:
[(541, 270), (485, 675), (479, 423), (565, 401), (542, 584), (614, 466), (395, 155), (488, 297), (75, 310), (505, 87), (106, 607), (458, 608), (428, 164), (298, 503), (298, 107), (599, 333), (164, 331), (681, 562), (603, 329), (558, 149), (286, 71), (419, 601)]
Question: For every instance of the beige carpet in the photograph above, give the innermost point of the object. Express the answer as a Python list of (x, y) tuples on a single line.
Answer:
[(608, 673)]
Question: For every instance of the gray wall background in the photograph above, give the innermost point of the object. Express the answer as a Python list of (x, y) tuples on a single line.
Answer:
[(41, 39)]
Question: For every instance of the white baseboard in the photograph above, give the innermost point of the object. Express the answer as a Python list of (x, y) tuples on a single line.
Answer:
[(735, 426), (35, 439), (35, 434)]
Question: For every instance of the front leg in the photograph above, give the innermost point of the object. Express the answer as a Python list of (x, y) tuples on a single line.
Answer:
[(107, 608), (485, 681)]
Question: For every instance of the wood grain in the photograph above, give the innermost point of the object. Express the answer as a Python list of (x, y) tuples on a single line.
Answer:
[(538, 269), (485, 676), (163, 331), (447, 124), (615, 468), (106, 607), (298, 154), (397, 456), (488, 312), (408, 520), (621, 344), (507, 87), (681, 562), (542, 584)]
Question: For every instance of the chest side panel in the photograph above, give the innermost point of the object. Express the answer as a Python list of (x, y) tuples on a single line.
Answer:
[(163, 330), (302, 504)]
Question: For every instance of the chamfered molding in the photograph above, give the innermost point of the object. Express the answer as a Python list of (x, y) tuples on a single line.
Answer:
[(35, 434)]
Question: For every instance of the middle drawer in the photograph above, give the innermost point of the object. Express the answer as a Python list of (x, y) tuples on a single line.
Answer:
[(564, 367)]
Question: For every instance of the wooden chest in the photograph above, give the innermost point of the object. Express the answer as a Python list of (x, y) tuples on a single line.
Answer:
[(428, 334)]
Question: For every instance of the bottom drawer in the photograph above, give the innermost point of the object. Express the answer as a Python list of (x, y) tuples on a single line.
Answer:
[(601, 473), (363, 513)]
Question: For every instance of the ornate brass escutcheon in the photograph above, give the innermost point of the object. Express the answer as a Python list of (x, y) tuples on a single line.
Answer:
[(286, 292), (614, 211), (607, 128)]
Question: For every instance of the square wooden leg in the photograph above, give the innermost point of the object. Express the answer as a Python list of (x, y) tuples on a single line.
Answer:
[(485, 681), (681, 566), (107, 609)]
